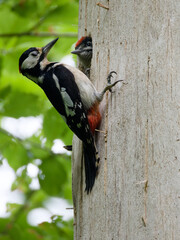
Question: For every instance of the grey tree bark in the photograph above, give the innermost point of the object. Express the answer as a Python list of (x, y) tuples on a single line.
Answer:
[(137, 192)]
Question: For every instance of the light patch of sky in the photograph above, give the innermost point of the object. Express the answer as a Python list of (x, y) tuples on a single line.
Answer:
[(53, 206), (38, 215), (23, 127), (58, 147), (8, 196), (59, 206), (32, 171)]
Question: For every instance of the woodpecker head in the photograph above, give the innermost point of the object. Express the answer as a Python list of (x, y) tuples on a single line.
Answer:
[(83, 49), (33, 61)]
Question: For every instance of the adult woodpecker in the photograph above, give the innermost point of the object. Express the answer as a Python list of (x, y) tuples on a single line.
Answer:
[(83, 49), (73, 96)]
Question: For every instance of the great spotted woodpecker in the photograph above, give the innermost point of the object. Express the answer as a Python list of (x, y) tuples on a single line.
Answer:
[(83, 49), (73, 96)]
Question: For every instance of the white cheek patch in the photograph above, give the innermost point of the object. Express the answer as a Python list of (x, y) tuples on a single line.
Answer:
[(30, 62)]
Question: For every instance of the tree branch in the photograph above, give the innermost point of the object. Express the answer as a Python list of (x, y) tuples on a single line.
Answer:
[(32, 144), (34, 33), (39, 34)]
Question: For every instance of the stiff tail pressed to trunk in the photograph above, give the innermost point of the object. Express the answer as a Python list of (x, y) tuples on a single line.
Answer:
[(91, 162)]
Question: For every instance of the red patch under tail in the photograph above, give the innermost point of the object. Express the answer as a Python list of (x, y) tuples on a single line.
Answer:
[(94, 117)]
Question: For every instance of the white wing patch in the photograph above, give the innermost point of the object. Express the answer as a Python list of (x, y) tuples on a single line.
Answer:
[(79, 125), (68, 103), (56, 81)]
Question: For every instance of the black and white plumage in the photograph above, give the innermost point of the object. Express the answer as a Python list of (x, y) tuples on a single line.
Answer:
[(72, 94), (59, 84)]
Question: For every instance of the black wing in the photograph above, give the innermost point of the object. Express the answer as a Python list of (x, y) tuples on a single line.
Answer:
[(61, 89)]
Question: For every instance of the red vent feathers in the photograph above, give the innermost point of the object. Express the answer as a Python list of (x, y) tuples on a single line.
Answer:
[(94, 117)]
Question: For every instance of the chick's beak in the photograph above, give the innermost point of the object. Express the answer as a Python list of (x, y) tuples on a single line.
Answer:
[(77, 51), (47, 48), (80, 50)]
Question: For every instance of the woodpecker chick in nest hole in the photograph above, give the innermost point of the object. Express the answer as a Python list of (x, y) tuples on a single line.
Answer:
[(84, 50)]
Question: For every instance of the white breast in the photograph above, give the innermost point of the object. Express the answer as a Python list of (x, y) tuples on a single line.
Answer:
[(87, 90)]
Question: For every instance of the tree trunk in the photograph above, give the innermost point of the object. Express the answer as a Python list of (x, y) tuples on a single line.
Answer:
[(136, 195)]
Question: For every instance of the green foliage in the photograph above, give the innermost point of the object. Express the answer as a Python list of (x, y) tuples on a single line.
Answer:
[(16, 105), (23, 25), (52, 172), (51, 117)]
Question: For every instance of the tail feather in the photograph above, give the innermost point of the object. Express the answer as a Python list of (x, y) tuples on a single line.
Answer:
[(91, 161)]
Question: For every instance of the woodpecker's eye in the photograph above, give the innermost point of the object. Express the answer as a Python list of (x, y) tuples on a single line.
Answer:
[(34, 54), (88, 44)]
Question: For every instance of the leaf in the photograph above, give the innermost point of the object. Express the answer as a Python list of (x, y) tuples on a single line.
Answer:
[(16, 155), (12, 207), (67, 14), (3, 223), (57, 228), (38, 198), (39, 153), (23, 104), (4, 92), (13, 20), (22, 182), (54, 127), (13, 151), (53, 175)]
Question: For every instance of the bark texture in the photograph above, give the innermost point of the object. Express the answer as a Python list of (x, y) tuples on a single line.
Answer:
[(137, 192)]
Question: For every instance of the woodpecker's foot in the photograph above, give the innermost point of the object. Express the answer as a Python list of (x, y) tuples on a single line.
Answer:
[(109, 86), (110, 75), (68, 147)]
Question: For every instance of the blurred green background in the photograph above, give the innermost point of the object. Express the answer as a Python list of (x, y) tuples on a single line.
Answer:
[(25, 24)]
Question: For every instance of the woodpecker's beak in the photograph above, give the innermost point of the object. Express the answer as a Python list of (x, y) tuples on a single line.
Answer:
[(47, 48), (77, 51)]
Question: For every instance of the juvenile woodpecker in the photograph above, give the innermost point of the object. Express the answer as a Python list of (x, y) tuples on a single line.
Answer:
[(84, 49), (73, 96)]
